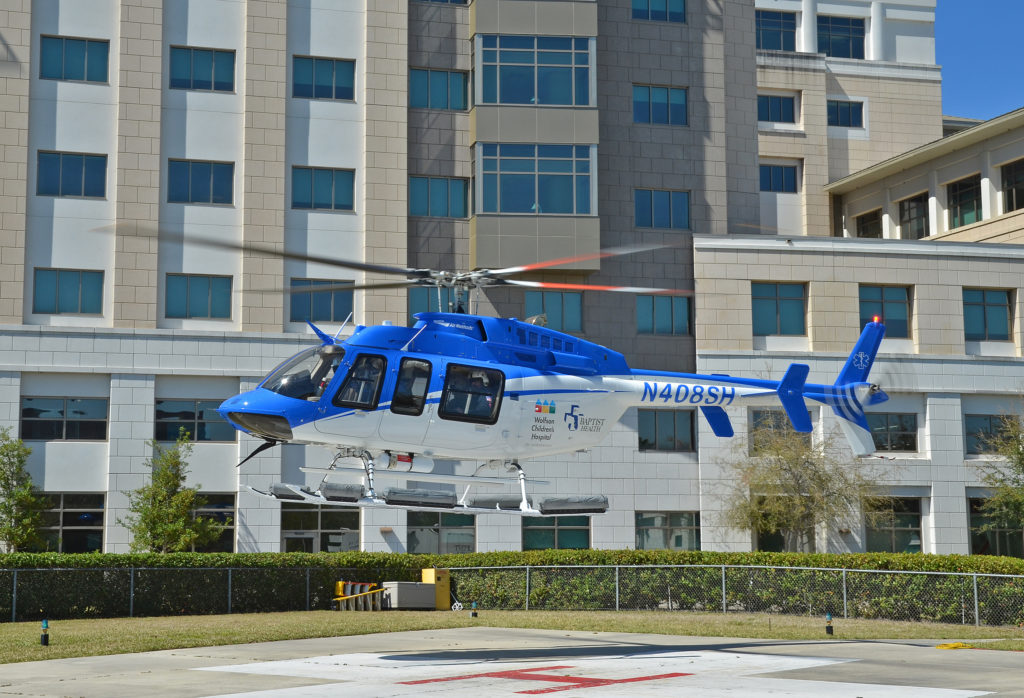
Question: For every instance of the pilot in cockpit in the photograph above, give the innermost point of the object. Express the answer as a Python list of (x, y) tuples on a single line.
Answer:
[(330, 358)]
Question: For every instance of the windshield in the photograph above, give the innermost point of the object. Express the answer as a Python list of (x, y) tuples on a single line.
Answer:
[(305, 375)]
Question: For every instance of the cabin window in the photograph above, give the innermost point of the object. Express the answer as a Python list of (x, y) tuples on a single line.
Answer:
[(472, 394), (411, 388), (361, 388)]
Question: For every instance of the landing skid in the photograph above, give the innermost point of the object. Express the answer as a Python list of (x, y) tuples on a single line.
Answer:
[(367, 496)]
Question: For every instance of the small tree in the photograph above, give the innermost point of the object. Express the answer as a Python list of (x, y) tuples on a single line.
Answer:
[(21, 508), (1004, 508), (783, 482), (162, 518)]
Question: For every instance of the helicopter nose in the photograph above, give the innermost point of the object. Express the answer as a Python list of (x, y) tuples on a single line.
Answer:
[(252, 412)]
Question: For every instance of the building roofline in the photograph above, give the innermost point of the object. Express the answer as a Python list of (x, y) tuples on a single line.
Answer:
[(838, 246), (975, 134)]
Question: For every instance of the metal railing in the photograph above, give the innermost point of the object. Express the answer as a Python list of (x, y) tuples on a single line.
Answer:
[(949, 597)]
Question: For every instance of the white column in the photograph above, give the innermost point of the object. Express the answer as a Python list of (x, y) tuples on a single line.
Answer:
[(936, 204), (875, 33), (989, 192), (808, 26)]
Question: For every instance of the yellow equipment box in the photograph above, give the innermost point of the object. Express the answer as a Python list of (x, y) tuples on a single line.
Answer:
[(442, 582)]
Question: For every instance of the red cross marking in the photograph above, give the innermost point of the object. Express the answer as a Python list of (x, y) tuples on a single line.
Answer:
[(532, 675)]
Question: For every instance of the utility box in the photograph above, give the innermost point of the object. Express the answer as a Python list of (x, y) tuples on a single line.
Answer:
[(442, 581), (409, 596)]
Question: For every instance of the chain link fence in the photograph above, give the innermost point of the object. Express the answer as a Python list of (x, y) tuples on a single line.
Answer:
[(975, 599), (947, 597)]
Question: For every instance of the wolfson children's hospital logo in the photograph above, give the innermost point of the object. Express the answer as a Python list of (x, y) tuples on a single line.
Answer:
[(577, 421)]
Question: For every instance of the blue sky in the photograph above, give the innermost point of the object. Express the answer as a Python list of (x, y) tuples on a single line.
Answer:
[(980, 46)]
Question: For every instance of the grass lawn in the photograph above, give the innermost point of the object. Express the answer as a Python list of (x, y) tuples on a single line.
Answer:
[(19, 642)]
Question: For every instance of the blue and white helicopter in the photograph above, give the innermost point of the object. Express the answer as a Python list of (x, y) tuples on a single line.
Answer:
[(465, 387)]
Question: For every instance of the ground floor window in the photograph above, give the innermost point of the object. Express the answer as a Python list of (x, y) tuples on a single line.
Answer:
[(430, 532), (311, 528), (994, 541), (220, 508), (895, 526), (72, 523), (667, 530), (556, 532)]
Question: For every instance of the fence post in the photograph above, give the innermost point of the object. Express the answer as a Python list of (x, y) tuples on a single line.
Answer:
[(307, 588), (977, 615), (725, 608), (845, 613), (527, 587), (131, 592), (616, 587), (14, 596), (229, 590)]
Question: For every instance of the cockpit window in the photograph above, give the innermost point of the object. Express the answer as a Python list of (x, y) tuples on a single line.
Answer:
[(361, 388), (472, 394), (306, 375), (411, 387)]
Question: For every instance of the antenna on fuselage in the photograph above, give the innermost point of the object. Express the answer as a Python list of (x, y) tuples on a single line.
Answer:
[(343, 325)]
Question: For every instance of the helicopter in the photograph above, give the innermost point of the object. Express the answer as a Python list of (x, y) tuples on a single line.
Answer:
[(466, 387)]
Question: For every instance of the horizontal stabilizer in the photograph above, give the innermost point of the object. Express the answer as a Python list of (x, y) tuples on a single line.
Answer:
[(718, 419), (791, 395)]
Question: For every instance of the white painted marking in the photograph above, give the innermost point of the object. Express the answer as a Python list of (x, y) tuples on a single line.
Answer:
[(711, 674)]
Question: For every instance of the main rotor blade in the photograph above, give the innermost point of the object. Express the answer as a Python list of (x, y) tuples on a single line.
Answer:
[(295, 256), (330, 288), (602, 254), (595, 287)]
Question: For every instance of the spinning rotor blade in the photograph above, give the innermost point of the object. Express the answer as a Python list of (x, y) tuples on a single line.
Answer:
[(602, 254), (595, 287), (338, 287), (297, 256)]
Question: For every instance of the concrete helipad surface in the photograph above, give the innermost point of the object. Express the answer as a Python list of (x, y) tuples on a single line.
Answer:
[(498, 662)]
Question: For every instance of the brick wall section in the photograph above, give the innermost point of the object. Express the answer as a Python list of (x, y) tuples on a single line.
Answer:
[(138, 163), (266, 86), (386, 176), (15, 21)]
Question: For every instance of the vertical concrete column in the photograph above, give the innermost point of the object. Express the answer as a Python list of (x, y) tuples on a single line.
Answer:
[(138, 163), (131, 428), (258, 523), (386, 175), (808, 26), (936, 204), (989, 187), (266, 87), (875, 32), (15, 73)]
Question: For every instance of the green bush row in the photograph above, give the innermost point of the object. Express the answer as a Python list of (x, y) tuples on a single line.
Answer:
[(409, 564)]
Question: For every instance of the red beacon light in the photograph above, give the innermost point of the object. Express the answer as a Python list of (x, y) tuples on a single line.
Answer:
[(876, 319)]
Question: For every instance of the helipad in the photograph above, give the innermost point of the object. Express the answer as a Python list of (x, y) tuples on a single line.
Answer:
[(514, 662)]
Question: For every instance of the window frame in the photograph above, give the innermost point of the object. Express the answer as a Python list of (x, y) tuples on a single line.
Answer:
[(774, 107), (841, 32), (416, 402), (886, 439), (225, 542), (869, 224), (843, 113), (192, 426), (682, 521), (336, 204), (64, 419), (501, 69), (212, 304), (774, 420), (292, 513), (415, 101), (60, 274), (351, 62), (1012, 179), (556, 524), (910, 223), (446, 522), (351, 378), (654, 418), (57, 514), (974, 440), (214, 54), (778, 178), (417, 181), (65, 159), (985, 305), (64, 58), (1002, 536), (335, 294), (880, 306), (218, 169), (896, 507), (492, 177), (566, 312), (777, 300), (674, 311), (963, 197), (672, 109), (448, 394), (783, 25), (649, 205), (642, 10)]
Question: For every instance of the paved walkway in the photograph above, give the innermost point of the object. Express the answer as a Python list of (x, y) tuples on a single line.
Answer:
[(504, 662)]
